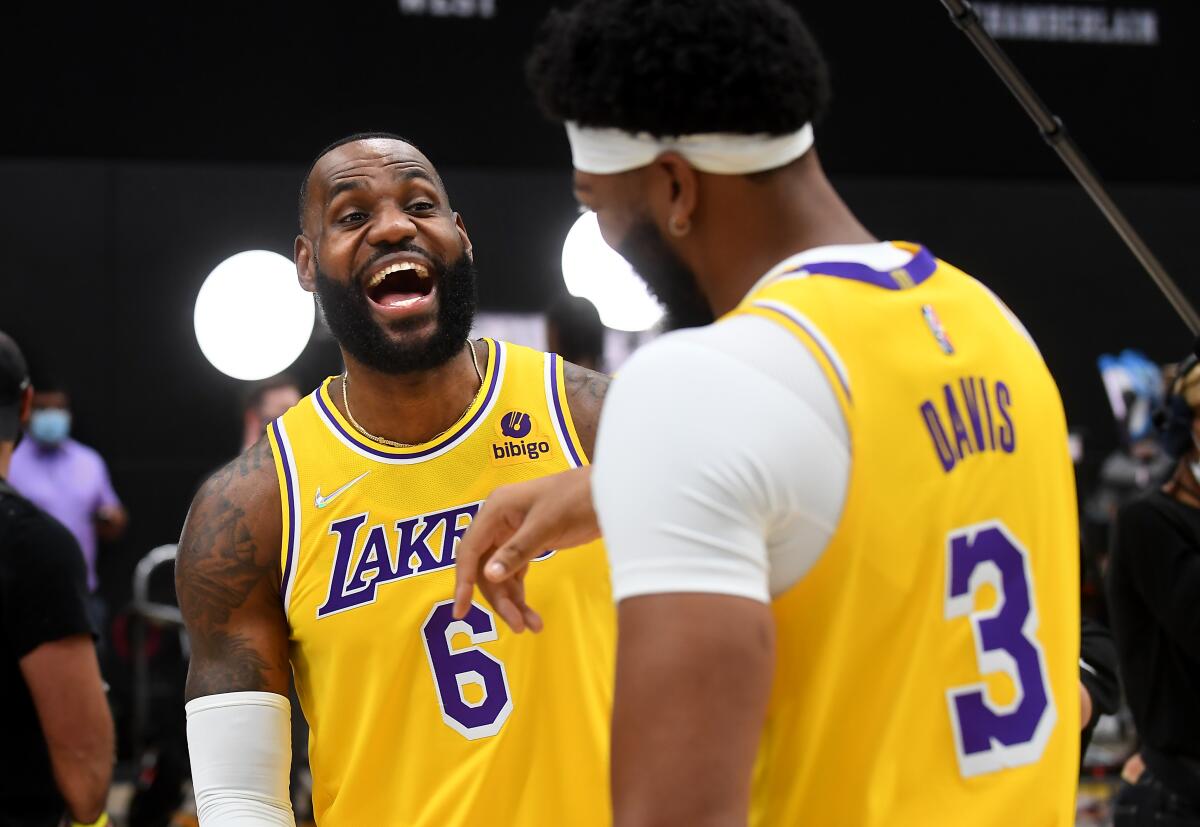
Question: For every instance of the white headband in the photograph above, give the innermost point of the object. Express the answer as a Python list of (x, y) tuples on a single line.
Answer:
[(607, 151)]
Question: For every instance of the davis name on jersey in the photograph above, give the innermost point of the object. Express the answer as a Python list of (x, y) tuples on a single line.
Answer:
[(977, 398)]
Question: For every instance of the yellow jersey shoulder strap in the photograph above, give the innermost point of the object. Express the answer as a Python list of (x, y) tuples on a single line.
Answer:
[(800, 298), (529, 370)]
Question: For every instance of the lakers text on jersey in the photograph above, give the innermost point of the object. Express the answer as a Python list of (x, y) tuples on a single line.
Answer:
[(417, 718)]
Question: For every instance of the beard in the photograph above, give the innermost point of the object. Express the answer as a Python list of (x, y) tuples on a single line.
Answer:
[(669, 279), (375, 345)]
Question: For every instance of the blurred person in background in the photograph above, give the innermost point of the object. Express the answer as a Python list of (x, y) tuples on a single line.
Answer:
[(1153, 582), (574, 331), (1134, 385), (1099, 688), (262, 402), (70, 481), (56, 755), (265, 401)]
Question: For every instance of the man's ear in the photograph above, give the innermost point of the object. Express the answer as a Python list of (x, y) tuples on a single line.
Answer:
[(676, 186), (468, 248), (25, 409), (306, 264)]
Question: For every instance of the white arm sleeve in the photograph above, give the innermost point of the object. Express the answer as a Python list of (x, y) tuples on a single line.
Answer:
[(722, 463), (241, 749)]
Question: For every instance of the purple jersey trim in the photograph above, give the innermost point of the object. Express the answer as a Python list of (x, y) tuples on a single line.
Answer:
[(921, 267), (285, 461), (558, 411), (494, 367)]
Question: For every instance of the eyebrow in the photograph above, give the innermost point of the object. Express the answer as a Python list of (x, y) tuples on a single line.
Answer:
[(356, 184), (433, 180), (340, 187), (410, 174)]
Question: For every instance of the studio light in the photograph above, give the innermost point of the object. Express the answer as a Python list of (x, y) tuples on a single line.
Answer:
[(252, 319), (597, 272)]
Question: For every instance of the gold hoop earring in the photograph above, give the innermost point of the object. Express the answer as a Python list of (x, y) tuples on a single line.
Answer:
[(679, 228)]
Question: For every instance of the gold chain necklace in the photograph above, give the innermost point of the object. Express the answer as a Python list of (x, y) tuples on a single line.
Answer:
[(393, 443)]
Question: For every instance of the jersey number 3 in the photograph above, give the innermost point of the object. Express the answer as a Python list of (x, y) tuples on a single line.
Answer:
[(990, 736), (472, 687)]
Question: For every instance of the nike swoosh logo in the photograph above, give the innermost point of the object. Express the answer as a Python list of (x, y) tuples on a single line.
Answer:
[(321, 502)]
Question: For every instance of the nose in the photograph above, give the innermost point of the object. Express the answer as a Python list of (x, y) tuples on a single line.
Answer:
[(391, 225)]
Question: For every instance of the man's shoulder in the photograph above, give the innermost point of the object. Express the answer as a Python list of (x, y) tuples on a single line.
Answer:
[(1158, 507), (79, 452), (1150, 520), (718, 377), (586, 390), (675, 342), (17, 510), (24, 460), (581, 381), (692, 353), (236, 516), (682, 370), (27, 530), (247, 479), (1150, 504), (27, 456), (228, 567)]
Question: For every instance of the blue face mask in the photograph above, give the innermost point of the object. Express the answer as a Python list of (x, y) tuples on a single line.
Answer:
[(50, 426)]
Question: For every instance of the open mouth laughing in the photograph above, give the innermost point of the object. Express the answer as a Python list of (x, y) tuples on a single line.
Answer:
[(401, 287)]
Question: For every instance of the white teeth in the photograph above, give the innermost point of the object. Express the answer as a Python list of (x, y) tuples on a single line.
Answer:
[(419, 269), (405, 302)]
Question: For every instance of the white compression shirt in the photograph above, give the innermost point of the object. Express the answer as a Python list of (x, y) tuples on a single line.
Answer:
[(723, 457)]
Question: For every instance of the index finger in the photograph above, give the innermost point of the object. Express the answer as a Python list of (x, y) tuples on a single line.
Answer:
[(476, 543)]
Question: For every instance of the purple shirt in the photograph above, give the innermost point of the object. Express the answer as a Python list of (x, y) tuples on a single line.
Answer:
[(70, 483)]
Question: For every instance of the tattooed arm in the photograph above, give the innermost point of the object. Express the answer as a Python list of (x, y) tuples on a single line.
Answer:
[(227, 577), (585, 396)]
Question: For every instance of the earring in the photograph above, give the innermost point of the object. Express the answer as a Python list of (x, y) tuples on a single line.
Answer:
[(679, 228)]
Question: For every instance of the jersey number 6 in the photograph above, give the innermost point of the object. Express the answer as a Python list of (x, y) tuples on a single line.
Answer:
[(455, 669), (989, 736)]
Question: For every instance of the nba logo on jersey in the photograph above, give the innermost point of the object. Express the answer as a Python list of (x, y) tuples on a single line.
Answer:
[(520, 440), (935, 327)]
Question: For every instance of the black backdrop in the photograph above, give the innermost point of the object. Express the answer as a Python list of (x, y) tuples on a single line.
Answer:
[(274, 80), (148, 142)]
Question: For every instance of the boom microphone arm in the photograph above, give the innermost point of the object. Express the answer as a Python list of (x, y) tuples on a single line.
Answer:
[(1055, 134)]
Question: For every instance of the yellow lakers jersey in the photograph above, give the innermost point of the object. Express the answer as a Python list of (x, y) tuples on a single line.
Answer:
[(417, 718), (927, 666)]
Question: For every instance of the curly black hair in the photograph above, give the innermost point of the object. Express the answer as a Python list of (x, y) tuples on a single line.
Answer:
[(679, 67)]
